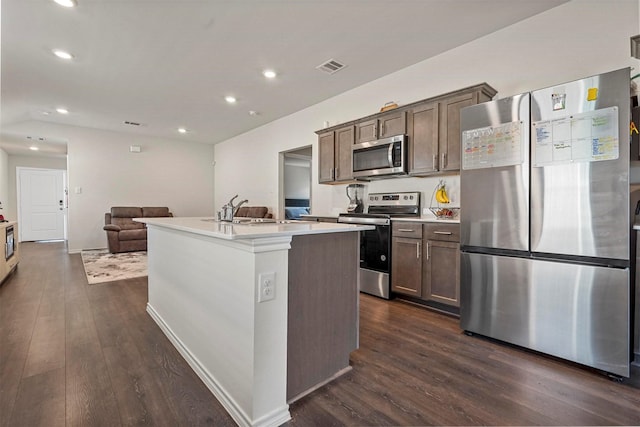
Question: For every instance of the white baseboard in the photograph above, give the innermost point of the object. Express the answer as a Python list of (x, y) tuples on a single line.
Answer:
[(273, 419)]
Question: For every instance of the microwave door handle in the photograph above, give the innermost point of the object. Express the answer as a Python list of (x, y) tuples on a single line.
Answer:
[(390, 155)]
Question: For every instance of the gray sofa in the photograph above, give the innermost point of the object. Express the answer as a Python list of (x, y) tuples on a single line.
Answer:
[(126, 235)]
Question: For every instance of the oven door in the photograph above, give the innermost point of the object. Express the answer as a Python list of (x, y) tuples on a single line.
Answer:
[(374, 249), (375, 263)]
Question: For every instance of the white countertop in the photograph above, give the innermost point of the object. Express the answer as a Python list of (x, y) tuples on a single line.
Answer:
[(231, 231), (320, 216), (423, 218), (427, 218)]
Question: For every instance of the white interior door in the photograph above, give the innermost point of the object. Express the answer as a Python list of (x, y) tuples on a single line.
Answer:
[(41, 204)]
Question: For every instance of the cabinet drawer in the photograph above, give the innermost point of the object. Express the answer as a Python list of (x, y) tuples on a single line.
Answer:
[(443, 232), (407, 229)]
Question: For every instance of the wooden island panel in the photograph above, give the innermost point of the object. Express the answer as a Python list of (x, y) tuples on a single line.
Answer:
[(322, 309)]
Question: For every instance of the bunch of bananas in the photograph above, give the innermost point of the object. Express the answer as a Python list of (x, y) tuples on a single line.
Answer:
[(441, 194)]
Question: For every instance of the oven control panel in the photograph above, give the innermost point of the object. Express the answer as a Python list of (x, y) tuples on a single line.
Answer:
[(395, 199)]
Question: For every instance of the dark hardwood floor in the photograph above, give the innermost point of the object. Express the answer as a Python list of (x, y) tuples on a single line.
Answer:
[(75, 354)]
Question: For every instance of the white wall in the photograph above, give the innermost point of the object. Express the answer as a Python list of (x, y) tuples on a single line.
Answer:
[(166, 173), (574, 40), (27, 162), (296, 183), (171, 173), (4, 184)]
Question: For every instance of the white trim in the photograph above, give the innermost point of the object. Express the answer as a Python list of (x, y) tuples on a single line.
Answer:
[(275, 418)]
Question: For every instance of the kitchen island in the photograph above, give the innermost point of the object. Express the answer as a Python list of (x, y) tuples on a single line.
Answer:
[(263, 312)]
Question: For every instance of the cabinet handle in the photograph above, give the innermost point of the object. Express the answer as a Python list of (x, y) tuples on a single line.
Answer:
[(405, 230), (446, 233), (444, 160), (418, 250), (435, 161), (382, 129), (427, 250)]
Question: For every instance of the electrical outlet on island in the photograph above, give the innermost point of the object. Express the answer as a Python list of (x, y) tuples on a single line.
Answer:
[(266, 287)]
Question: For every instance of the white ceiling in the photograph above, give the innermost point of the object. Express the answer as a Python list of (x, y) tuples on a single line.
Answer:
[(170, 63)]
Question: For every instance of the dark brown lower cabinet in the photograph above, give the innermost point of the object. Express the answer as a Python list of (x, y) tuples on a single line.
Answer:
[(406, 266), (441, 268), (442, 273), (425, 265)]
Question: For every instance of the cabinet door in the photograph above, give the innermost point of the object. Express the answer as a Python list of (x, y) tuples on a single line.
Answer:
[(422, 128), (442, 272), (450, 129), (406, 266), (344, 143), (392, 124), (327, 157), (367, 131)]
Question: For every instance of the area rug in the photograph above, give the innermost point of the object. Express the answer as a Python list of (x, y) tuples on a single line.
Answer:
[(101, 266)]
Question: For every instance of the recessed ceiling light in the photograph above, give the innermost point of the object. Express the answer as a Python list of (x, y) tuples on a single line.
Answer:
[(230, 99), (270, 74), (182, 130), (62, 54), (33, 148), (62, 110), (253, 113), (66, 3)]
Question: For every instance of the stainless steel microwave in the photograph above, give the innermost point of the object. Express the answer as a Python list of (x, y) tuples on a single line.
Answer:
[(379, 158)]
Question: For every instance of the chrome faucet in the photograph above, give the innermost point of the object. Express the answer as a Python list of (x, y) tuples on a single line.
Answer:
[(229, 210), (237, 207)]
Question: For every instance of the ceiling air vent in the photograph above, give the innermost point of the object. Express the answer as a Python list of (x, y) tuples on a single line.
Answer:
[(331, 66)]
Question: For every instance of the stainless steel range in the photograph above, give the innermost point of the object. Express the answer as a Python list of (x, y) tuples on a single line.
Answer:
[(375, 245)]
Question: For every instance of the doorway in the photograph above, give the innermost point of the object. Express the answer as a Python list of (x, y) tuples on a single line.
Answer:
[(295, 184), (42, 204)]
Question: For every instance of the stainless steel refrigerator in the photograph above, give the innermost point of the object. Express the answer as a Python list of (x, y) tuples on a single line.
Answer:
[(545, 221)]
